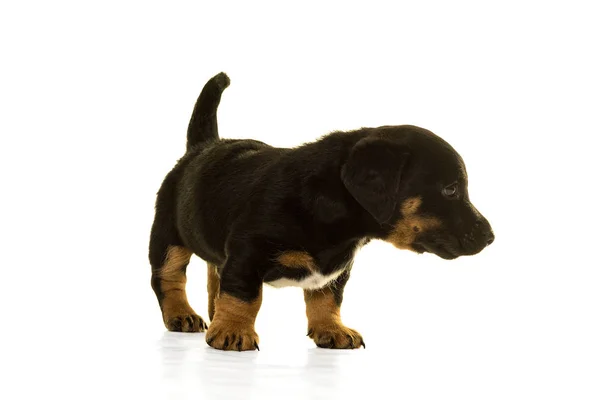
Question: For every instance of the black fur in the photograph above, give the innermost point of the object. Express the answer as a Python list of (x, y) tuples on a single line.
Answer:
[(239, 203), (203, 124)]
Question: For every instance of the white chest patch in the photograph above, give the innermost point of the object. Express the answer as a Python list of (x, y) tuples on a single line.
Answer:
[(312, 282)]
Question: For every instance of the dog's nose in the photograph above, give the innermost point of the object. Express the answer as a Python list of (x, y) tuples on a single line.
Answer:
[(490, 238), (486, 231)]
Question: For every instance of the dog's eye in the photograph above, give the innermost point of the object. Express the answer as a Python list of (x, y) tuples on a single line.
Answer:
[(450, 191)]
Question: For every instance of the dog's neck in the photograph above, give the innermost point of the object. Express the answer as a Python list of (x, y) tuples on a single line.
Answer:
[(321, 163)]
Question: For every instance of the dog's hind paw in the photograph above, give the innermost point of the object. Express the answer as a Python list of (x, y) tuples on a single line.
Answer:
[(185, 323)]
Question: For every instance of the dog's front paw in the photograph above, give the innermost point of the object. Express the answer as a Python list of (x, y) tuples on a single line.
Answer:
[(335, 336), (185, 322), (228, 335)]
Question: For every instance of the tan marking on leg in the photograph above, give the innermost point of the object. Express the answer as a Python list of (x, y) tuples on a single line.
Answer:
[(325, 325), (411, 224), (178, 315), (213, 284), (233, 325), (297, 259)]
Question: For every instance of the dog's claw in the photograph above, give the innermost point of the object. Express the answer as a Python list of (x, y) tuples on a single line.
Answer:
[(362, 343), (177, 325), (351, 345), (256, 346), (310, 332)]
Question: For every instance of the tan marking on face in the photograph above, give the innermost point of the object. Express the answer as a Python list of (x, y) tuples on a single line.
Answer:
[(175, 306), (297, 259), (411, 224), (233, 325), (411, 206), (212, 286)]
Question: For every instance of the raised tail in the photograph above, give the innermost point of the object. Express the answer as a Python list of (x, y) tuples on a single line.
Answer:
[(203, 124)]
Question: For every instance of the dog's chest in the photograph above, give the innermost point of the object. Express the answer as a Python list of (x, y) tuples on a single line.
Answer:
[(313, 281), (300, 269)]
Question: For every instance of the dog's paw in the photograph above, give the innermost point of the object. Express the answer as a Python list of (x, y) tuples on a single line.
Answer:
[(187, 322), (231, 336), (335, 336)]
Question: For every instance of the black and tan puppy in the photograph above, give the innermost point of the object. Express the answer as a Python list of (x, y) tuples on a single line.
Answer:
[(259, 214)]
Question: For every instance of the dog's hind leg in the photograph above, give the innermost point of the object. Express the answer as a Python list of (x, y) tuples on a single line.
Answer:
[(169, 260), (168, 282), (212, 286)]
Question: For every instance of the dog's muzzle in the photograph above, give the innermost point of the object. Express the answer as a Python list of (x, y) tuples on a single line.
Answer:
[(449, 246), (478, 238)]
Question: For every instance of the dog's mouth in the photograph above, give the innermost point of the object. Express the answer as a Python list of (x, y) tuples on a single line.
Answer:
[(417, 248), (442, 249)]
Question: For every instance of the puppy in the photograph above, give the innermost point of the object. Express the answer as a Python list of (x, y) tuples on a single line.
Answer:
[(295, 217)]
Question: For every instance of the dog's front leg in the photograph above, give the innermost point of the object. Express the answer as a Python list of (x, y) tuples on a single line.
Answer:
[(236, 306), (325, 325)]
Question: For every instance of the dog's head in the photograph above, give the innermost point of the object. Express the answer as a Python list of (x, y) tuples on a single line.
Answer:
[(414, 184)]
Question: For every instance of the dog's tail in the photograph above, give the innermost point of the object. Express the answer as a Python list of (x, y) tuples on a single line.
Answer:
[(203, 124)]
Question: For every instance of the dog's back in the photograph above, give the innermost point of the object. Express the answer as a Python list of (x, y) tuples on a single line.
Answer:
[(217, 184), (214, 183)]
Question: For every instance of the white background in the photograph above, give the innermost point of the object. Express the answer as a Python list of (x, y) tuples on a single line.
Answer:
[(95, 100)]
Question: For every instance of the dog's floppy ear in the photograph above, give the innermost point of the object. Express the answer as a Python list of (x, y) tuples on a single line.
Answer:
[(372, 174)]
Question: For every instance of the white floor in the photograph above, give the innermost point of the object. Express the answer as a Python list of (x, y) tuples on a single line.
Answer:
[(180, 366), (476, 328), (432, 330)]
